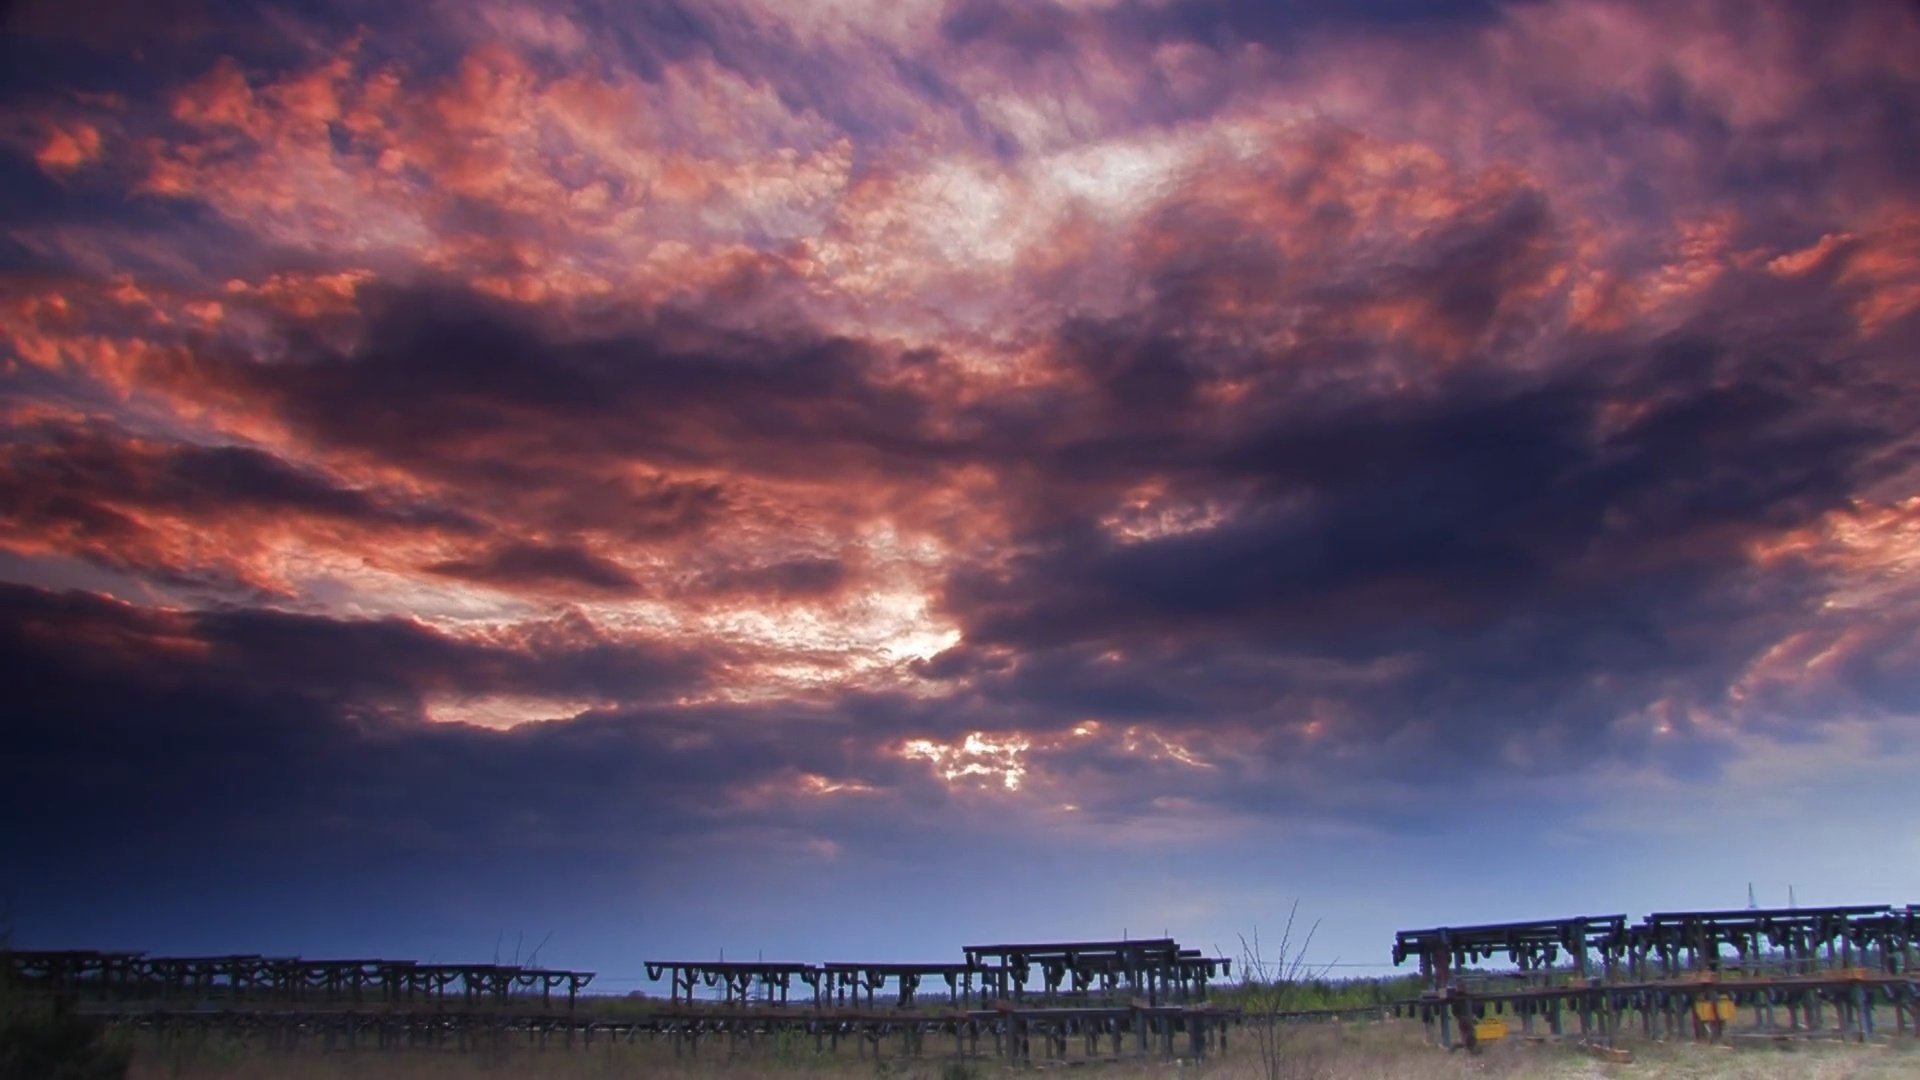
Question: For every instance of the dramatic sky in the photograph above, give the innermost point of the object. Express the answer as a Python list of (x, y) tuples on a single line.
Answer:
[(842, 479)]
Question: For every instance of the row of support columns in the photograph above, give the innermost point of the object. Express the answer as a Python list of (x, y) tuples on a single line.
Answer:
[(859, 985), (1014, 1036)]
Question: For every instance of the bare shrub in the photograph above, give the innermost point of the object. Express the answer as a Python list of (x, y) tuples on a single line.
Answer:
[(1269, 990)]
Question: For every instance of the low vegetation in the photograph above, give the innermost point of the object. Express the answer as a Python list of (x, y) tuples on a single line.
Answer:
[(1353, 1051), (42, 1044)]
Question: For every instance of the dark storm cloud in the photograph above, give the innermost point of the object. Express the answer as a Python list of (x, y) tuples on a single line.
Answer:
[(793, 577), (138, 732), (559, 566), (1525, 556), (98, 493), (1222, 24), (647, 438), (96, 465), (452, 380), (136, 728), (203, 727)]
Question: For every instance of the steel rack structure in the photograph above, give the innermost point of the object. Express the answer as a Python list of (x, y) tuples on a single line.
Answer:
[(132, 976), (1798, 972)]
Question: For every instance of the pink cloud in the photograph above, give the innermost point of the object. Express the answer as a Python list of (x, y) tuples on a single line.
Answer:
[(69, 148)]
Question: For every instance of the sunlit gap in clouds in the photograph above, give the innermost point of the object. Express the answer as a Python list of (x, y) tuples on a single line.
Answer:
[(1153, 511), (775, 652), (992, 757), (504, 711), (1004, 760)]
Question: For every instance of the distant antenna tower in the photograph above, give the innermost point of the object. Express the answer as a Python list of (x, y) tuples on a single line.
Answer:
[(1751, 902), (1790, 902)]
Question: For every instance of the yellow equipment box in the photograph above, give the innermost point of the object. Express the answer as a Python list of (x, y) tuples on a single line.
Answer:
[(1721, 1009)]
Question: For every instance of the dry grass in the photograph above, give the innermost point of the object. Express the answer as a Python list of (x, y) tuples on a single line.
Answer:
[(1371, 1052)]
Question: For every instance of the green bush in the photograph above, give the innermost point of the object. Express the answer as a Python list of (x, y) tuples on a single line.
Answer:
[(48, 1047)]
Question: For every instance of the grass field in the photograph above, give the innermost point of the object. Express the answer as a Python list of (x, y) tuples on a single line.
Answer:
[(1392, 1051)]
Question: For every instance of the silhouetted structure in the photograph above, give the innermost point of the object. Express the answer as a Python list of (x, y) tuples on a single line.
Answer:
[(132, 976), (1157, 970), (1677, 971), (288, 1002)]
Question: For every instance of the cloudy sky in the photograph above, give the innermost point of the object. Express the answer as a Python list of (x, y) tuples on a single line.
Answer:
[(844, 479)]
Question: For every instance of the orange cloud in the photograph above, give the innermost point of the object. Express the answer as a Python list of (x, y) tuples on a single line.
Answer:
[(69, 147)]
